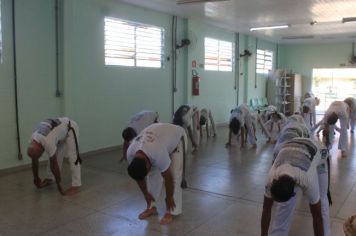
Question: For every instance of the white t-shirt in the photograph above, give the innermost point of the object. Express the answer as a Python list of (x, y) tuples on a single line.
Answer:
[(157, 141), (142, 119), (187, 117), (310, 103), (283, 166), (50, 133), (340, 108), (204, 113), (241, 113)]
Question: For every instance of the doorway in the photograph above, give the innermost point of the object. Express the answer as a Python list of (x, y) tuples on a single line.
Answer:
[(333, 84)]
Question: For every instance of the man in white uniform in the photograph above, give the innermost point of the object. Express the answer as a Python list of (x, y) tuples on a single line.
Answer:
[(158, 152), (54, 136), (187, 116), (308, 94), (136, 124), (337, 110), (241, 119), (299, 165), (308, 111), (351, 102), (205, 116)]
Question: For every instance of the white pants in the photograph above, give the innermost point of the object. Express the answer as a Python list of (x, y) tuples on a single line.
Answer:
[(195, 124), (251, 126), (352, 119), (69, 150), (284, 211), (343, 134), (309, 119), (155, 181)]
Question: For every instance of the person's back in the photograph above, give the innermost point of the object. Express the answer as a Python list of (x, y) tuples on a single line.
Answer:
[(142, 119), (338, 107), (168, 135)]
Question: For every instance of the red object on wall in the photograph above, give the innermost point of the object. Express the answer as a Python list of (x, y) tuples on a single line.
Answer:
[(195, 83)]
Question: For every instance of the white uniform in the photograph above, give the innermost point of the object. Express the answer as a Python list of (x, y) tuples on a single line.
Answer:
[(295, 160), (342, 111), (352, 102), (308, 94), (295, 127), (142, 119), (206, 113), (243, 114), (273, 127), (310, 117), (163, 146), (190, 119), (55, 139)]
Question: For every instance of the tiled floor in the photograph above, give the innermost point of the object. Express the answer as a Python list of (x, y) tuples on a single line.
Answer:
[(224, 197)]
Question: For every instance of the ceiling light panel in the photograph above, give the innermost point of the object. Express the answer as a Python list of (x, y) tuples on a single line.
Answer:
[(269, 27), (197, 1)]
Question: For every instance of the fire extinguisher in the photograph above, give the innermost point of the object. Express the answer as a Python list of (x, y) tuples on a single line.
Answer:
[(195, 83)]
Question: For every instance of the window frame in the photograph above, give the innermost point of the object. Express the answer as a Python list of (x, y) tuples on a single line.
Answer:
[(263, 63), (224, 61), (137, 53)]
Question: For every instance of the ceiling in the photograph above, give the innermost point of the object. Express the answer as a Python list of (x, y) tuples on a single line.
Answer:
[(241, 15)]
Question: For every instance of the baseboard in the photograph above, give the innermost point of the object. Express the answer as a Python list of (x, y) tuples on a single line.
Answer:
[(101, 150), (43, 162)]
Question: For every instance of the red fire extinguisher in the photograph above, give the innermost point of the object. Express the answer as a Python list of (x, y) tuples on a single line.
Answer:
[(195, 83)]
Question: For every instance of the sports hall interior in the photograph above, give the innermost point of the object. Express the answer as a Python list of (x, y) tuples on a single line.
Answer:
[(55, 61)]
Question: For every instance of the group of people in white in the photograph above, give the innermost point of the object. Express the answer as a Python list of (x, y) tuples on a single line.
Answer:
[(156, 155)]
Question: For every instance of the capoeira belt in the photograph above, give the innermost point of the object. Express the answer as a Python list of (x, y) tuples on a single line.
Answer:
[(79, 160), (329, 194), (319, 154)]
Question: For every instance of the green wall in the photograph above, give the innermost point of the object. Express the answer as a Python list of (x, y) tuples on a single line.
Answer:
[(102, 98), (35, 71), (216, 88), (303, 58)]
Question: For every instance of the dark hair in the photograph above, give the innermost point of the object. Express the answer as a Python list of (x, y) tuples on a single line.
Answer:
[(128, 134), (137, 169), (306, 109), (332, 119), (235, 125), (202, 120), (282, 189), (178, 115)]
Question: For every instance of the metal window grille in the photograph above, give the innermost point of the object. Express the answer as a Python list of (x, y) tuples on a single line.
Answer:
[(218, 55), (133, 44), (263, 61)]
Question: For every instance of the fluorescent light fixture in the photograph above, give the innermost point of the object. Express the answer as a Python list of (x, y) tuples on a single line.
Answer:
[(299, 37), (269, 27), (198, 1), (349, 20)]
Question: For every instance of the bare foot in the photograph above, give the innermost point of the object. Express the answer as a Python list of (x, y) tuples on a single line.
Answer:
[(254, 146), (46, 182), (167, 218), (147, 213), (71, 191)]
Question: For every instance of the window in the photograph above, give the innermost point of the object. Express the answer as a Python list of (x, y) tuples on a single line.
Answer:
[(0, 36), (133, 44), (218, 55), (264, 61)]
